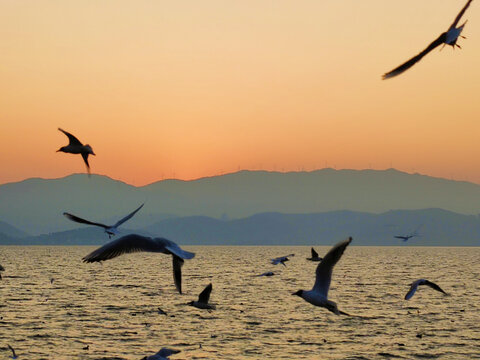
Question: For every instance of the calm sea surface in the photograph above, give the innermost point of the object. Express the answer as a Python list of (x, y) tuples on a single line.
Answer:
[(112, 308)]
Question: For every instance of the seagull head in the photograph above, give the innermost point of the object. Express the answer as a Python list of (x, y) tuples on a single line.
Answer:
[(61, 149), (190, 303), (89, 149), (453, 35), (298, 293)]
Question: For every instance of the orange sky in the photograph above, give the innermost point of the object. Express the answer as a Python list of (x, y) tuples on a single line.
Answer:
[(187, 89)]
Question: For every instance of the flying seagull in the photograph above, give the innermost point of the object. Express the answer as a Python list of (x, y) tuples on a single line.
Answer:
[(76, 147), (202, 302), (319, 293), (14, 356), (163, 354), (405, 237), (281, 259), (449, 37), (136, 243), (409, 236), (315, 256), (415, 284), (111, 230), (268, 273)]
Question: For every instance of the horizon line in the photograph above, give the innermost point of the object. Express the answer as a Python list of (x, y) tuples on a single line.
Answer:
[(240, 171)]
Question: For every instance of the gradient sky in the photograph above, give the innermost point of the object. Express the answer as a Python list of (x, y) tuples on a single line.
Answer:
[(187, 89)]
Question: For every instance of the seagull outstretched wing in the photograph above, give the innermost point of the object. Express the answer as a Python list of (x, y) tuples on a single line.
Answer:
[(124, 245), (407, 65), (205, 294), (325, 268), (412, 290), (83, 221), (128, 217), (434, 286), (73, 140), (85, 160), (460, 14)]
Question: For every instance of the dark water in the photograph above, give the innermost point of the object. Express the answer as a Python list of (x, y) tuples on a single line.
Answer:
[(112, 308)]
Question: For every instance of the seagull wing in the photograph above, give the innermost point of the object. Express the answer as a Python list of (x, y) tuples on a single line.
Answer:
[(129, 216), (314, 254), (14, 356), (174, 249), (73, 140), (325, 268), (434, 286), (83, 221), (165, 352), (205, 294), (412, 290), (177, 272), (460, 14), (85, 159), (124, 245), (407, 65)]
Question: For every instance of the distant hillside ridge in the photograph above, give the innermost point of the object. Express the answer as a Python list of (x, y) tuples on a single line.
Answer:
[(435, 227), (36, 205), (11, 231)]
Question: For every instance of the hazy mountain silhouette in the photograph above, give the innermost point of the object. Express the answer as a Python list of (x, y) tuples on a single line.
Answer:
[(11, 231), (36, 205), (438, 228)]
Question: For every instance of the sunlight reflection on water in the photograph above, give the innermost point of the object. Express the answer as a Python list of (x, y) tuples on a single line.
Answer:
[(113, 307)]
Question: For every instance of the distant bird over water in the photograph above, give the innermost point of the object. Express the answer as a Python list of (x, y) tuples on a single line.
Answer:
[(281, 259), (315, 256), (163, 354), (318, 296), (449, 37), (268, 273), (111, 230), (405, 237), (76, 147), (409, 236), (417, 283), (137, 243), (202, 302)]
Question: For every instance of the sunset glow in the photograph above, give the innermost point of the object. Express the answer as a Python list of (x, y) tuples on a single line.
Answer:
[(187, 89)]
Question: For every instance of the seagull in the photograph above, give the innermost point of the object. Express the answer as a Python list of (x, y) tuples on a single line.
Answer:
[(449, 37), (415, 284), (409, 236), (163, 354), (14, 356), (405, 237), (161, 312), (281, 259), (268, 273), (111, 230), (319, 293), (315, 256), (203, 298), (76, 147), (1, 269), (136, 243)]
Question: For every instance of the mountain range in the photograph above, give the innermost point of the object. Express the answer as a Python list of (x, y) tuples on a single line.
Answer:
[(248, 207), (435, 227)]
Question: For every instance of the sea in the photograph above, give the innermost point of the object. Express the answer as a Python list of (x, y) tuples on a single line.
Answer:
[(54, 306)]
